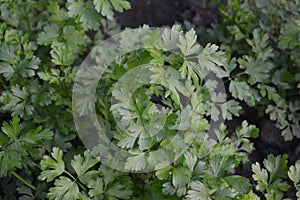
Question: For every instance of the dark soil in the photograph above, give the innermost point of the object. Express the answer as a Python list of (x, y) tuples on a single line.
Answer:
[(4, 117), (158, 13)]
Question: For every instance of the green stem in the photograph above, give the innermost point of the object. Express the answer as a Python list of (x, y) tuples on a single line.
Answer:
[(234, 76), (27, 20), (69, 174), (23, 180), (78, 182), (2, 83)]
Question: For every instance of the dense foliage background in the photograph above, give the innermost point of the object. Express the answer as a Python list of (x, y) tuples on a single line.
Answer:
[(253, 46)]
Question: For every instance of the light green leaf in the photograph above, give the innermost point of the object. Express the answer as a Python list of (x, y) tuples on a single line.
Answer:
[(8, 52), (249, 196), (276, 166), (294, 174), (260, 175), (168, 189), (64, 188), (230, 108), (240, 184), (104, 7), (52, 166), (219, 165), (88, 16), (163, 171), (180, 176), (240, 90), (199, 191), (271, 178), (190, 160), (188, 43), (62, 54), (7, 70), (213, 60), (82, 164), (136, 163)]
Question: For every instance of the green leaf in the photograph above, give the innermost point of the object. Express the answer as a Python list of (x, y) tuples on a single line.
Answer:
[(64, 188), (213, 60), (97, 189), (225, 193), (88, 16), (7, 70), (26, 68), (199, 191), (235, 30), (9, 161), (62, 54), (287, 133), (168, 189), (52, 166), (249, 196), (58, 14), (217, 99), (247, 131), (278, 112), (240, 90), (17, 101), (36, 136), (120, 5), (242, 137), (136, 163), (12, 129), (290, 131), (65, 47), (8, 52), (188, 44), (82, 164), (258, 70), (171, 37), (119, 191), (230, 108), (271, 178), (105, 7), (50, 34), (180, 176), (294, 174), (240, 184), (163, 171), (116, 185), (281, 78), (14, 65), (170, 79), (260, 46), (18, 146), (190, 160), (289, 38), (260, 175), (270, 92), (276, 166), (219, 165), (230, 66)]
